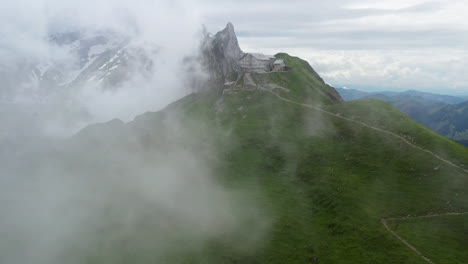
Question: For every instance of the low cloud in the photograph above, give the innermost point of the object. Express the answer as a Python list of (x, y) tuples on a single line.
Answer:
[(169, 27), (441, 72), (118, 198)]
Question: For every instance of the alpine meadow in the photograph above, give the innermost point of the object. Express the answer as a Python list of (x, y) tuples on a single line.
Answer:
[(131, 134)]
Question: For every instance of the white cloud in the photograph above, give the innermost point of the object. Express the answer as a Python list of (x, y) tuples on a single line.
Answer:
[(173, 27), (441, 71), (449, 16)]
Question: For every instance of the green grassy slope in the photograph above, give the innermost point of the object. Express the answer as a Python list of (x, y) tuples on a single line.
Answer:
[(382, 115), (347, 176), (444, 114), (451, 121), (443, 239), (303, 82), (323, 182)]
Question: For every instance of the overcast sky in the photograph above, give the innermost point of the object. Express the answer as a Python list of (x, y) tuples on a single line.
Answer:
[(366, 44)]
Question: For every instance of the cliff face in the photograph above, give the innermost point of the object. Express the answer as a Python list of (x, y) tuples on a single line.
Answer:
[(221, 52), (228, 44)]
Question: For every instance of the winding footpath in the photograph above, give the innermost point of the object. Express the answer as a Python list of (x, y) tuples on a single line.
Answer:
[(385, 224), (384, 220), (371, 127)]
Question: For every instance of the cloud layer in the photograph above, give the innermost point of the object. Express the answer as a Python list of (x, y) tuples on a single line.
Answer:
[(169, 27), (112, 192)]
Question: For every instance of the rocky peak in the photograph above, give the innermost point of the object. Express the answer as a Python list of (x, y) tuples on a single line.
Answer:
[(222, 52), (229, 27), (228, 40)]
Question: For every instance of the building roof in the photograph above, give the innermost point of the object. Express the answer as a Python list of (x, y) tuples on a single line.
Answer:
[(278, 62), (260, 56)]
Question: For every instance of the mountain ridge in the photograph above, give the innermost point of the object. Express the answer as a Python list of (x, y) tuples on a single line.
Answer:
[(441, 113), (315, 200), (277, 170), (353, 94)]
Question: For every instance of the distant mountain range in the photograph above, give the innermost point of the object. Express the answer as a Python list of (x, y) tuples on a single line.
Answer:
[(445, 114), (105, 59), (49, 93)]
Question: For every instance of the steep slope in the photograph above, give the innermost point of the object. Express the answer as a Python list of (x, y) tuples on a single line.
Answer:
[(451, 121), (351, 94), (301, 83), (425, 233), (316, 177), (417, 108), (442, 113)]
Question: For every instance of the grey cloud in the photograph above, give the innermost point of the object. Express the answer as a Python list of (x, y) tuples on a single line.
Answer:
[(359, 40), (323, 26), (428, 6), (302, 22)]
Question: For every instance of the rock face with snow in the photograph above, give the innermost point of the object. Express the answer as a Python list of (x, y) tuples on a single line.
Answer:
[(104, 60), (52, 92)]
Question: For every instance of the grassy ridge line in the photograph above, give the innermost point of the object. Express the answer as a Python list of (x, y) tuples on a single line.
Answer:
[(384, 221), (372, 127)]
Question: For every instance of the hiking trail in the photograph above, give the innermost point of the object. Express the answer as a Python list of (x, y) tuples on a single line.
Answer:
[(385, 224), (371, 127), (384, 220)]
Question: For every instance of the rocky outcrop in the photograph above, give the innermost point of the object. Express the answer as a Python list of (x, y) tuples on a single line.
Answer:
[(221, 52), (226, 40)]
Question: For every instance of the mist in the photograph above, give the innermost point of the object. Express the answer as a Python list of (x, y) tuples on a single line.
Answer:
[(163, 32), (124, 198), (101, 194)]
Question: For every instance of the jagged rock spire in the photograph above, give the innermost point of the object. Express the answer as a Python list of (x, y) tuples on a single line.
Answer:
[(228, 41), (222, 51), (230, 28)]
